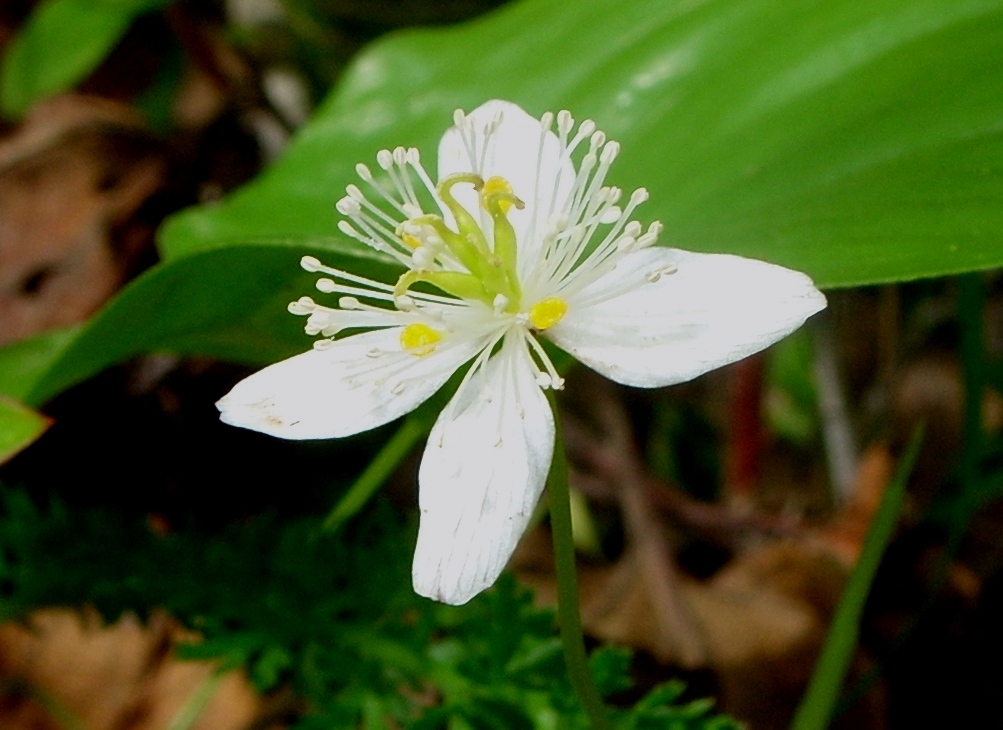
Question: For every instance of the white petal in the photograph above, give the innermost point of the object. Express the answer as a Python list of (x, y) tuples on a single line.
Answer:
[(715, 309), (358, 383), (484, 468), (539, 177)]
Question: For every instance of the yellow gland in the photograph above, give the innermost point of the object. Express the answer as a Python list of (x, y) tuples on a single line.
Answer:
[(410, 241), (547, 312), (419, 339), (498, 185)]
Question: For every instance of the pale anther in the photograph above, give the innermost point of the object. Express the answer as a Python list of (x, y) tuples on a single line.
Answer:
[(363, 172), (423, 257), (647, 240), (565, 122), (348, 206), (310, 263), (626, 243), (374, 353), (610, 215), (349, 303), (327, 285), (385, 159), (609, 152)]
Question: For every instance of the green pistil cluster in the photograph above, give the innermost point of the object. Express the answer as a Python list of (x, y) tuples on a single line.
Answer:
[(491, 275)]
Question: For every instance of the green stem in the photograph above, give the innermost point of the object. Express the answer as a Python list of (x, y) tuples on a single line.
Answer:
[(568, 613), (378, 471), (971, 303), (191, 710), (819, 702)]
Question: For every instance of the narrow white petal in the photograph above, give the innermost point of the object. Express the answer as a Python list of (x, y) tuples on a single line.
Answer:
[(539, 177), (358, 383), (642, 325), (484, 468)]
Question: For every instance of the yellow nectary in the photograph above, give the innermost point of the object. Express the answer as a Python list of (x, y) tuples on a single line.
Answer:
[(419, 339), (547, 312)]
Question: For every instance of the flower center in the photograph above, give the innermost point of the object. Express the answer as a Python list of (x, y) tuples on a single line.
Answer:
[(419, 339), (490, 265), (547, 312)]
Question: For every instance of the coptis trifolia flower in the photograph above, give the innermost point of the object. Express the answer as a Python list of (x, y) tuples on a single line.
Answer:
[(522, 243)]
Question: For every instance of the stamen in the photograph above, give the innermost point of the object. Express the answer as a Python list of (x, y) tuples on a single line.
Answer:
[(449, 412), (565, 122), (303, 305), (424, 257), (556, 382)]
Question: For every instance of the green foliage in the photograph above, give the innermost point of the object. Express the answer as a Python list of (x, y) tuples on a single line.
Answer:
[(817, 705), (19, 426), (62, 42), (859, 142), (310, 610), (791, 400), (230, 303)]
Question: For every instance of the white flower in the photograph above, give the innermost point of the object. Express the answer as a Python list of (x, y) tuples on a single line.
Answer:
[(522, 243)]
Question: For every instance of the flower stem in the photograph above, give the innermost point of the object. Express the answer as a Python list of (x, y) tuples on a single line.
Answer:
[(386, 461), (568, 614)]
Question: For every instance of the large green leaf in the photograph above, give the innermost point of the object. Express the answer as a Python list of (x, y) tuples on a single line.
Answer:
[(858, 141), (62, 42), (228, 303), (19, 426)]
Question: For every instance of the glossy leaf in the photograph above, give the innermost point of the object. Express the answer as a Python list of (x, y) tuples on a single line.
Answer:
[(22, 363), (61, 43), (228, 303), (859, 142), (19, 426)]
